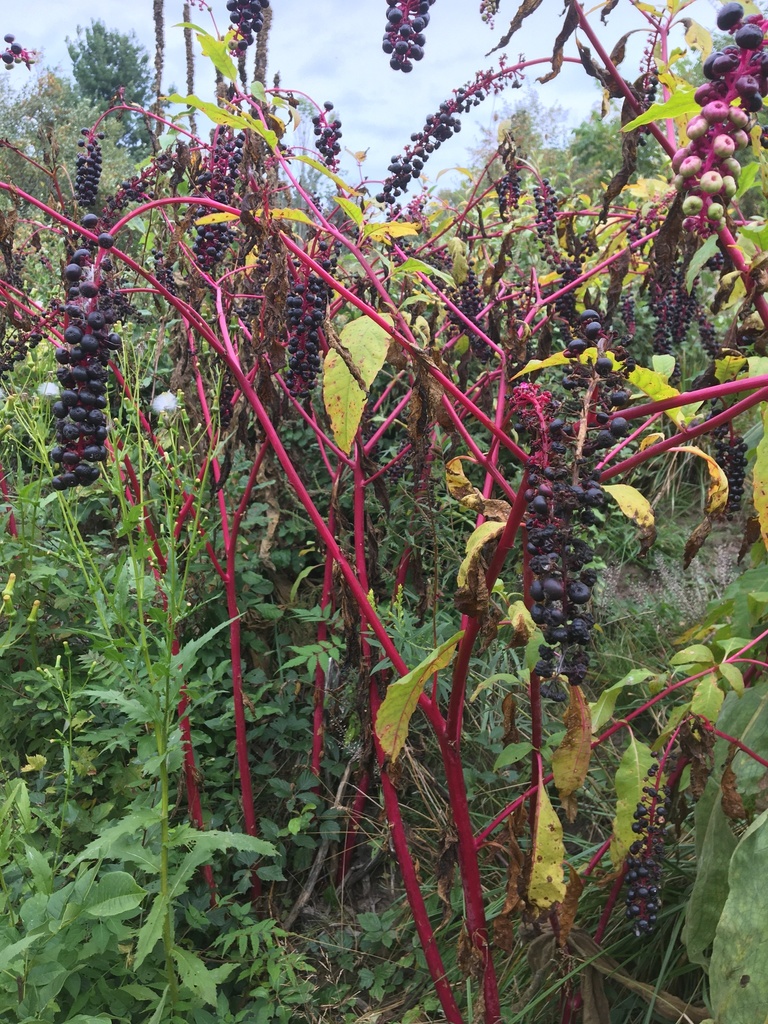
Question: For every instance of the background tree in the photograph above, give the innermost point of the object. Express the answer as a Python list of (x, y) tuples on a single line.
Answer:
[(104, 62)]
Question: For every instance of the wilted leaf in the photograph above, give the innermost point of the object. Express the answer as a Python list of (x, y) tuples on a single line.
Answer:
[(470, 496), (650, 439), (523, 626), (696, 539), (479, 537), (402, 696), (567, 913), (760, 480), (365, 345), (547, 885), (570, 761), (637, 508), (717, 493), (630, 779)]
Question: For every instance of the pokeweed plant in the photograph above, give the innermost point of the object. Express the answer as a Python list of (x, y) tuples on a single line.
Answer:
[(494, 345)]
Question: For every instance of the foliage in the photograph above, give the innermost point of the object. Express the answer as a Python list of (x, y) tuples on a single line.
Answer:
[(322, 517)]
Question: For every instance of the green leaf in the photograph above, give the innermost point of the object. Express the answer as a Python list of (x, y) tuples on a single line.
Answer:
[(151, 931), (40, 868), (365, 344), (715, 843), (310, 160), (602, 709), (705, 252), (738, 972), (217, 50), (547, 884), (221, 116), (707, 698), (747, 180), (760, 480), (696, 654), (395, 713), (351, 209), (197, 977), (746, 718), (511, 754), (414, 266), (115, 895), (630, 779), (205, 844), (733, 676), (678, 104)]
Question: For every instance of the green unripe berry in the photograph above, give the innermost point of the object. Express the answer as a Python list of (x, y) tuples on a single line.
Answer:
[(690, 166), (729, 186), (716, 211), (692, 205), (711, 182), (724, 146)]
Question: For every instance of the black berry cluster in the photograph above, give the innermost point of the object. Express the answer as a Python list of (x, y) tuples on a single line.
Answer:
[(673, 310), (14, 53), (327, 129), (508, 190), (546, 208), (247, 18), (469, 300), (404, 33), (646, 855), (218, 181), (707, 169), (305, 309), (88, 167), (731, 455), (89, 343)]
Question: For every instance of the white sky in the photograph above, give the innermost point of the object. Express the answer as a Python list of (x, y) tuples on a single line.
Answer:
[(331, 50)]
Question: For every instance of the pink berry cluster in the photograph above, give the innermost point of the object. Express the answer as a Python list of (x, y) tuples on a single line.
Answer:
[(14, 53), (737, 80)]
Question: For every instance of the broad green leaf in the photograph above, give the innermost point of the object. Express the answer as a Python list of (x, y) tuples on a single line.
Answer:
[(365, 344), (547, 884), (479, 537), (717, 492), (151, 930), (733, 676), (15, 950), (631, 776), (707, 698), (402, 696), (704, 253), (116, 894), (41, 870), (746, 718), (218, 52), (198, 978), (696, 654), (602, 709), (679, 104), (738, 971), (221, 116), (715, 843), (511, 754), (747, 180), (664, 364), (760, 480), (570, 762), (351, 209), (414, 266)]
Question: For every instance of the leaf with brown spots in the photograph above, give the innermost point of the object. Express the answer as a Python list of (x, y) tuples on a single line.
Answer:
[(570, 762), (566, 915), (732, 804)]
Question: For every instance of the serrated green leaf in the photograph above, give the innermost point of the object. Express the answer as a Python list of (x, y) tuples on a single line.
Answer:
[(151, 930), (396, 711), (116, 894), (197, 977), (630, 779), (679, 103)]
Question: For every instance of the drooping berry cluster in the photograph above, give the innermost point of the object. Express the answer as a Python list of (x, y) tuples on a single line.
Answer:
[(247, 18), (546, 208), (306, 307), (88, 167), (327, 129), (731, 455), (707, 169), (646, 855), (404, 37), (218, 182), (469, 300), (89, 343), (14, 54), (673, 309), (508, 190), (438, 128)]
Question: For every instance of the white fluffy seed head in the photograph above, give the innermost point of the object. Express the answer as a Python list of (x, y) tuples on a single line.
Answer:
[(165, 402)]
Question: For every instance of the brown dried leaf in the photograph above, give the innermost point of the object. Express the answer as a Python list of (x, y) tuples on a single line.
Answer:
[(697, 745), (607, 9), (571, 21), (526, 8), (752, 535), (732, 804), (620, 49), (617, 272), (628, 165), (446, 865), (566, 915), (596, 1008), (695, 541), (570, 762), (509, 711)]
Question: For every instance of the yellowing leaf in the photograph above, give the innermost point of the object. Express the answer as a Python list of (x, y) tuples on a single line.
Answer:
[(650, 439), (637, 508), (729, 367), (760, 480), (547, 884), (459, 487), (630, 779), (365, 344), (697, 37), (311, 162), (707, 698), (571, 759), (285, 213), (717, 493), (479, 537), (394, 717), (217, 218), (218, 51), (392, 229), (655, 386)]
